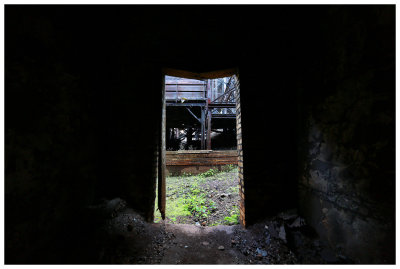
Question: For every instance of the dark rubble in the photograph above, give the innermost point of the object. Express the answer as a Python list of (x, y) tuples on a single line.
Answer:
[(283, 239)]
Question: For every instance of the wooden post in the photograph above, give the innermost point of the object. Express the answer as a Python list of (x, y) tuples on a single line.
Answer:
[(202, 128), (161, 154), (189, 136), (209, 130), (176, 133)]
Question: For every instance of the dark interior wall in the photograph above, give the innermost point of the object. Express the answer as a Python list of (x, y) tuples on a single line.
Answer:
[(52, 138), (269, 139), (81, 125), (280, 45), (347, 151), (83, 106)]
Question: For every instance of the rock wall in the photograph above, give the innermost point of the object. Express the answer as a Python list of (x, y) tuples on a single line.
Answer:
[(347, 156)]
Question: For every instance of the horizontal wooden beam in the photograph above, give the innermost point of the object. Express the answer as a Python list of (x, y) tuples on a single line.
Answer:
[(200, 76), (201, 158)]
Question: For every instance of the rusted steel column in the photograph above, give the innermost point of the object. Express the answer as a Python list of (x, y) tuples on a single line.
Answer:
[(209, 129)]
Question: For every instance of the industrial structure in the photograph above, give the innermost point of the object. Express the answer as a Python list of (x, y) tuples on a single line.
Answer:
[(198, 110)]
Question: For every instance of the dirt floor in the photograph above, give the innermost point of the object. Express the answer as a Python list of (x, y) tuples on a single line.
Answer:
[(207, 199), (284, 239)]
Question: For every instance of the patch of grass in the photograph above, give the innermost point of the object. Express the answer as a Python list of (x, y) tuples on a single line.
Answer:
[(187, 199), (208, 173), (233, 219), (198, 205), (234, 189), (157, 219), (229, 168), (174, 200)]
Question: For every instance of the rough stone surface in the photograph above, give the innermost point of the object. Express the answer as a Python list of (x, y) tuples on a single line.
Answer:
[(346, 185)]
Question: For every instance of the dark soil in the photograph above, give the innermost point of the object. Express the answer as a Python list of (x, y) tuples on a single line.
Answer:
[(285, 239)]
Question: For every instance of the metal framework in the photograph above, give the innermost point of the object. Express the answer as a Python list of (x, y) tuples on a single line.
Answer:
[(190, 93)]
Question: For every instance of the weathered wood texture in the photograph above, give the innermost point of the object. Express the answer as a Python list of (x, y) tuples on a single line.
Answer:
[(201, 157), (240, 156), (199, 76), (198, 161)]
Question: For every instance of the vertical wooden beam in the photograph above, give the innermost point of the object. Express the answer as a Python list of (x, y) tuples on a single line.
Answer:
[(161, 164), (202, 128), (209, 129), (189, 136), (176, 133)]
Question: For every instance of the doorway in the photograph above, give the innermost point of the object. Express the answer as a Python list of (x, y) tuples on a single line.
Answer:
[(200, 178)]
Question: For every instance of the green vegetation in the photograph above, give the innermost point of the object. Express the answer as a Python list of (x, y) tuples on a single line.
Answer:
[(234, 189), (209, 173), (229, 168), (233, 218), (191, 198)]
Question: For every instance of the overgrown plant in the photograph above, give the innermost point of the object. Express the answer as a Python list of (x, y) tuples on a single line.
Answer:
[(190, 198), (232, 219), (209, 173), (198, 205)]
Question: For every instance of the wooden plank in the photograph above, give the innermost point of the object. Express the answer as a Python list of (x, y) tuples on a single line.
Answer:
[(187, 95), (204, 75), (223, 152), (200, 162), (202, 155), (187, 88), (182, 81), (201, 158)]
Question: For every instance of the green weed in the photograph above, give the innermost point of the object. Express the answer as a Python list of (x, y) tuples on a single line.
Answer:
[(229, 168), (185, 197), (234, 189), (208, 173), (184, 174), (232, 219)]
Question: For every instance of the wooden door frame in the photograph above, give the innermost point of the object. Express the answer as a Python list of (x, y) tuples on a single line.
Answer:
[(162, 149)]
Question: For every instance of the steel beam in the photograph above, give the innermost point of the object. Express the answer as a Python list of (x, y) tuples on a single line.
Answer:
[(221, 105), (188, 109), (187, 104), (224, 116)]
